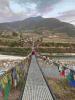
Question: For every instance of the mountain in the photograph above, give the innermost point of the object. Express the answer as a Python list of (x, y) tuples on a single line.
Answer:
[(39, 23)]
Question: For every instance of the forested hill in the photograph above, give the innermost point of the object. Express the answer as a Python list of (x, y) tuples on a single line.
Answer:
[(39, 23)]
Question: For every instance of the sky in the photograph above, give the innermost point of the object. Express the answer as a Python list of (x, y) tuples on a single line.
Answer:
[(13, 10)]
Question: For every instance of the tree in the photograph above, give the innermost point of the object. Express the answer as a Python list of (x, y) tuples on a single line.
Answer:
[(14, 34)]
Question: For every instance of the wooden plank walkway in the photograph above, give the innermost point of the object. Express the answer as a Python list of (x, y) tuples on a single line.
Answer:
[(36, 87)]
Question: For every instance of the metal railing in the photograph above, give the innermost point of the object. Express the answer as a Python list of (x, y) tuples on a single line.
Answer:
[(53, 96)]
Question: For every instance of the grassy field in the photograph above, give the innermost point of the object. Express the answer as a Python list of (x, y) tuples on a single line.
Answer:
[(59, 39), (53, 44), (15, 51), (55, 50), (55, 47), (61, 89), (14, 45)]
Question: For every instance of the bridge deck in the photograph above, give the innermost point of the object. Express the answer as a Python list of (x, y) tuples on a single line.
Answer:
[(36, 88)]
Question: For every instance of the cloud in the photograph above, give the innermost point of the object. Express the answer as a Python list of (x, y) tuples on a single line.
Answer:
[(68, 16), (20, 9), (4, 3), (42, 5), (46, 5), (29, 8), (12, 10), (4, 8)]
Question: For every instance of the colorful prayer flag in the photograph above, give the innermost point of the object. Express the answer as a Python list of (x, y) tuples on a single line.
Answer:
[(7, 90)]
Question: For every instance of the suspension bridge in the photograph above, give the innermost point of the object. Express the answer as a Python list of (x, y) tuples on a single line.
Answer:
[(36, 87)]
